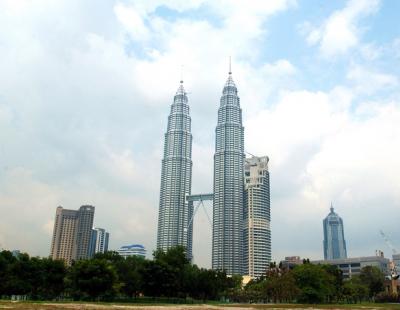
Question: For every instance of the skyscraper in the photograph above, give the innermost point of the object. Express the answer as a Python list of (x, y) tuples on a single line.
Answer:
[(72, 234), (257, 232), (176, 178), (334, 242), (99, 241), (227, 240)]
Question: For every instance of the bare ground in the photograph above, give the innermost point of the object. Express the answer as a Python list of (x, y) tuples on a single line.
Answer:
[(99, 306)]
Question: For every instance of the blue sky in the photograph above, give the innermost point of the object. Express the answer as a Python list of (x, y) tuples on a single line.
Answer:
[(85, 90)]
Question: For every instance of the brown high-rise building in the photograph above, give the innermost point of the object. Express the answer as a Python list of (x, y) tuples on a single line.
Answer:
[(71, 234)]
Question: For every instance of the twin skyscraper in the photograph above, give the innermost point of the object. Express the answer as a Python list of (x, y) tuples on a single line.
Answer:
[(241, 237)]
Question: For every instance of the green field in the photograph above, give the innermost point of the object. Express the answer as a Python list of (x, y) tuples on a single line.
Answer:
[(100, 306)]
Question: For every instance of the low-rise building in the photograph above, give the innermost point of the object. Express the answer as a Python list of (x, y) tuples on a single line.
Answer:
[(353, 266), (396, 261), (290, 262), (131, 250)]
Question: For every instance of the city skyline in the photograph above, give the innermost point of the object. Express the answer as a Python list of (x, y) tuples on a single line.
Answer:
[(84, 96)]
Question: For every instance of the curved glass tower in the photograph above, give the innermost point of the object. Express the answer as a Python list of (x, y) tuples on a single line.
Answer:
[(176, 178), (256, 216), (334, 242), (227, 241)]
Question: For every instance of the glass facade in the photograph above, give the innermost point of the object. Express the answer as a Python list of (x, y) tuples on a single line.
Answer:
[(227, 240), (176, 178), (334, 242), (99, 241)]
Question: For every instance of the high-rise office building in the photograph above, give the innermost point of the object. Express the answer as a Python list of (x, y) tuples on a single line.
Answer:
[(227, 239), (334, 242), (72, 234), (99, 241), (176, 178), (257, 232)]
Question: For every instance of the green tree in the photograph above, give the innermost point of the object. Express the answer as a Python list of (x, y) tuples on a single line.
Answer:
[(130, 274), (159, 279), (314, 282), (92, 279), (354, 290), (167, 268), (374, 278), (337, 278), (51, 280), (21, 276), (6, 261), (110, 256)]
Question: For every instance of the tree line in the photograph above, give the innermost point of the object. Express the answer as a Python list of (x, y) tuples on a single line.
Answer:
[(109, 276), (314, 284), (170, 274)]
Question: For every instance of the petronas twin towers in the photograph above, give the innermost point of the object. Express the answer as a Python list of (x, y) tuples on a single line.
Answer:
[(176, 178), (227, 240), (175, 210)]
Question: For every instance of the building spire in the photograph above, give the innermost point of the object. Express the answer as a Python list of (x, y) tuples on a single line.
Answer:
[(181, 81), (230, 66), (331, 207)]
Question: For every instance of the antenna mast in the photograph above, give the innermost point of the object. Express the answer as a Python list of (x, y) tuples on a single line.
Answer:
[(181, 74), (389, 244)]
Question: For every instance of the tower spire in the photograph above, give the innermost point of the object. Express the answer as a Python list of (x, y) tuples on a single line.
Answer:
[(181, 81), (331, 207), (230, 65)]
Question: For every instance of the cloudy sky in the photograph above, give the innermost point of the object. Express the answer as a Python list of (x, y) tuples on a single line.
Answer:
[(85, 90)]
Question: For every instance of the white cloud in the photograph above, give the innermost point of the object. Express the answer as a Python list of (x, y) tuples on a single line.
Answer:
[(279, 68), (320, 153), (132, 21), (371, 51), (396, 47), (340, 31), (369, 82)]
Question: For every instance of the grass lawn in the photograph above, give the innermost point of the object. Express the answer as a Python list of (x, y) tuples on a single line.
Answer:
[(103, 306)]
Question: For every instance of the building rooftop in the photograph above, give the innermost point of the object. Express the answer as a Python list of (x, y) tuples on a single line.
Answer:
[(132, 246)]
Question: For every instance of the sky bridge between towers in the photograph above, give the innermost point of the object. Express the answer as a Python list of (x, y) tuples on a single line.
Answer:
[(199, 198)]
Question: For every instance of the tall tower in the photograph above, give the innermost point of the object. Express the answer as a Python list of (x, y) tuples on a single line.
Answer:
[(334, 242), (83, 232), (257, 216), (72, 234), (176, 178), (99, 241), (227, 240)]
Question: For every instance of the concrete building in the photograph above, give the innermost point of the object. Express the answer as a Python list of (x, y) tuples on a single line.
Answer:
[(353, 266), (334, 242), (396, 261), (99, 241), (257, 217), (227, 239), (72, 234), (132, 250), (290, 262), (176, 178)]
